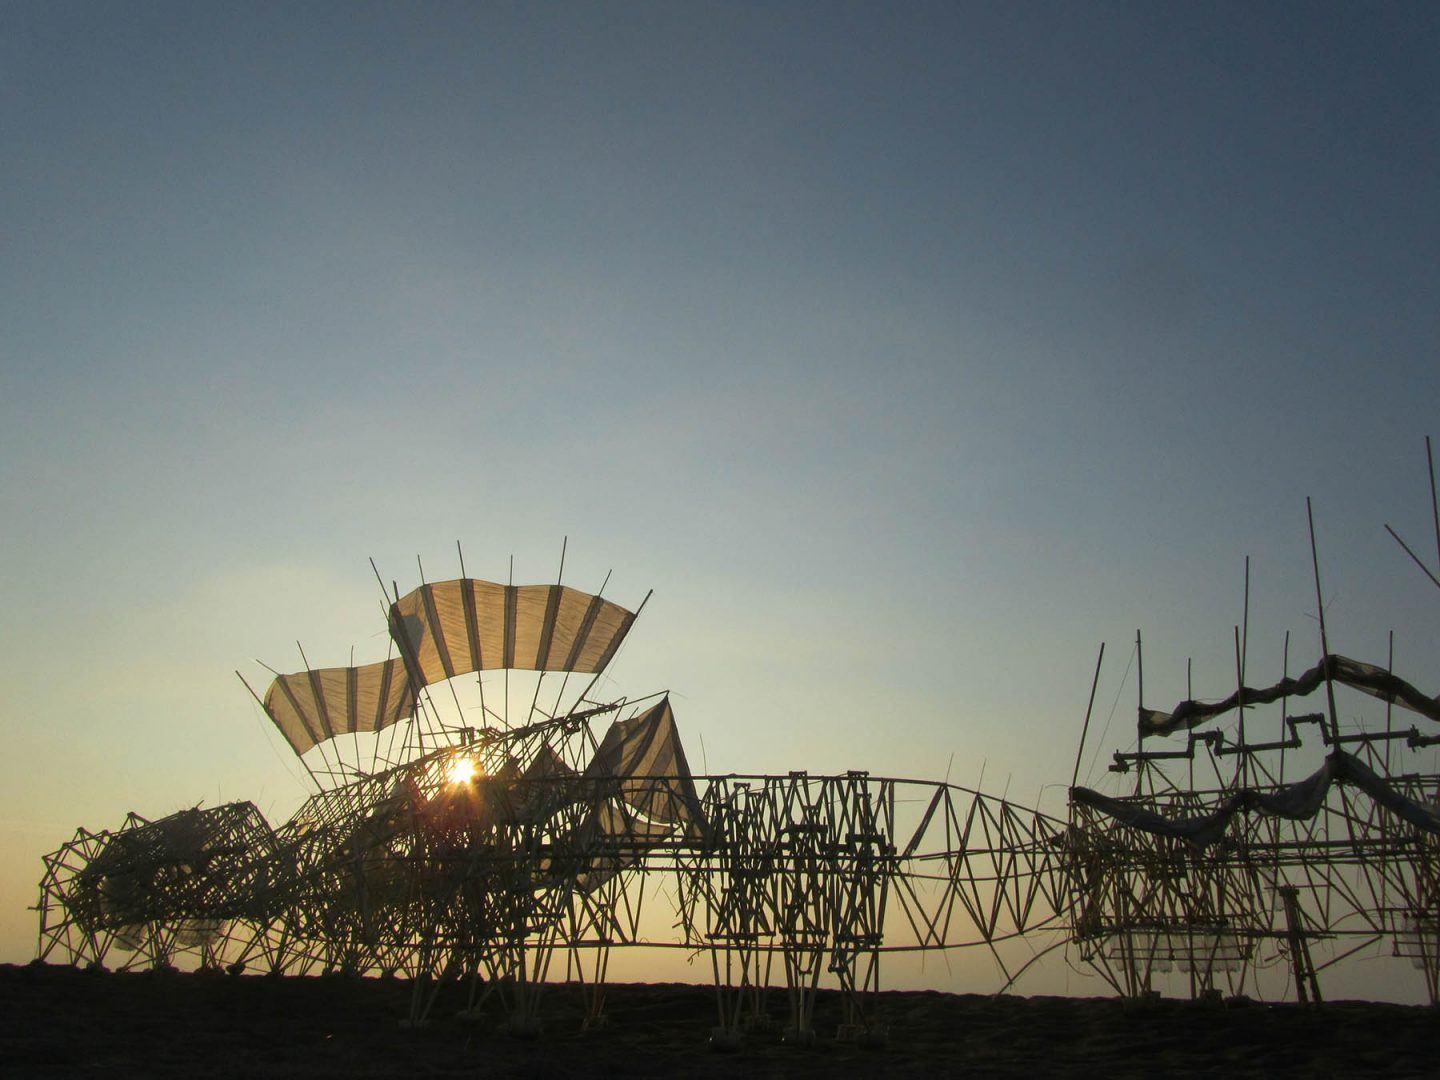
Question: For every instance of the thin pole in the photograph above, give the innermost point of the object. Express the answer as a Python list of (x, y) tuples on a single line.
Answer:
[(479, 675), (328, 728), (593, 681), (375, 750), (354, 735), (1434, 505), (1413, 556), (1284, 701), (1324, 639), (559, 578), (1190, 696), (454, 696), (426, 707), (566, 680), (1389, 702), (1240, 708), (405, 662), (1140, 681), (510, 583), (1084, 731), (1240, 667), (298, 757), (1140, 708)]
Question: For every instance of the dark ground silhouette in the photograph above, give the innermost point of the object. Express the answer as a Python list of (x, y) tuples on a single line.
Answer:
[(59, 1021)]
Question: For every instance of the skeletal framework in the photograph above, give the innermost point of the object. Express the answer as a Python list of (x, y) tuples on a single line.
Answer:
[(496, 854), (455, 839), (1242, 866)]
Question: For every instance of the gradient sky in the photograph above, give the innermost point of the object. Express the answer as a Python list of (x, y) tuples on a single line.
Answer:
[(907, 351)]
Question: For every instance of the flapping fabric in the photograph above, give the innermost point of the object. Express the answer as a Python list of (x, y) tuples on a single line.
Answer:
[(448, 628), (310, 707), (1368, 678), (645, 754), (1298, 802)]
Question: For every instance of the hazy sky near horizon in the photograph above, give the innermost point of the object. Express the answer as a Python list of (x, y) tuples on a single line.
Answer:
[(907, 351)]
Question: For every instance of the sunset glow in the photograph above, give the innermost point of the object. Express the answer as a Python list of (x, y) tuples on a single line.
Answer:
[(461, 770)]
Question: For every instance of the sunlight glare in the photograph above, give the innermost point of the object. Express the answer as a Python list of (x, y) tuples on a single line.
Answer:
[(461, 770)]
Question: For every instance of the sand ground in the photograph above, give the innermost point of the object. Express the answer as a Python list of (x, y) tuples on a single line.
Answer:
[(58, 1021)]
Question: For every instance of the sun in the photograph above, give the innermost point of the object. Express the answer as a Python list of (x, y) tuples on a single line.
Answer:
[(461, 770)]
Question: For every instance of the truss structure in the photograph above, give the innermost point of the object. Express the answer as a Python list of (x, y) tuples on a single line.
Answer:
[(510, 854)]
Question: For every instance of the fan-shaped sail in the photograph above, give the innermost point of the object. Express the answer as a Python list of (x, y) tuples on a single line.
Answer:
[(310, 707), (448, 628)]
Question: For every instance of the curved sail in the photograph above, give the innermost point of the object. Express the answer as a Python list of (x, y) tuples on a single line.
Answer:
[(448, 628), (310, 707)]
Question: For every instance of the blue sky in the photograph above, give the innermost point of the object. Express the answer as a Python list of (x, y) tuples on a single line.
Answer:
[(906, 351)]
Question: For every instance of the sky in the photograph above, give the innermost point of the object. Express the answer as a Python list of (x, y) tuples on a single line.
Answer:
[(907, 352)]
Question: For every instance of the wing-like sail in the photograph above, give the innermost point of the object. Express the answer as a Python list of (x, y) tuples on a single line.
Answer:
[(449, 628), (310, 707)]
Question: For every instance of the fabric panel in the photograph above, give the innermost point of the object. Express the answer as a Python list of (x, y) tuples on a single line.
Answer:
[(1298, 802), (449, 628), (311, 706), (1366, 678)]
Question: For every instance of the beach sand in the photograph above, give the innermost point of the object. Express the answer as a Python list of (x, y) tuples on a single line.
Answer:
[(60, 1021)]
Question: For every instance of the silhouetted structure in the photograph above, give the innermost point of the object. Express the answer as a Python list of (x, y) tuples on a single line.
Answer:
[(494, 852), (1219, 876)]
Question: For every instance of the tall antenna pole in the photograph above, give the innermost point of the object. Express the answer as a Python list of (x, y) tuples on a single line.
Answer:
[(1324, 639)]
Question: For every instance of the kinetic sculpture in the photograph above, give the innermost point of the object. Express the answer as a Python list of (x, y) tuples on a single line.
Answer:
[(488, 852), (453, 838)]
